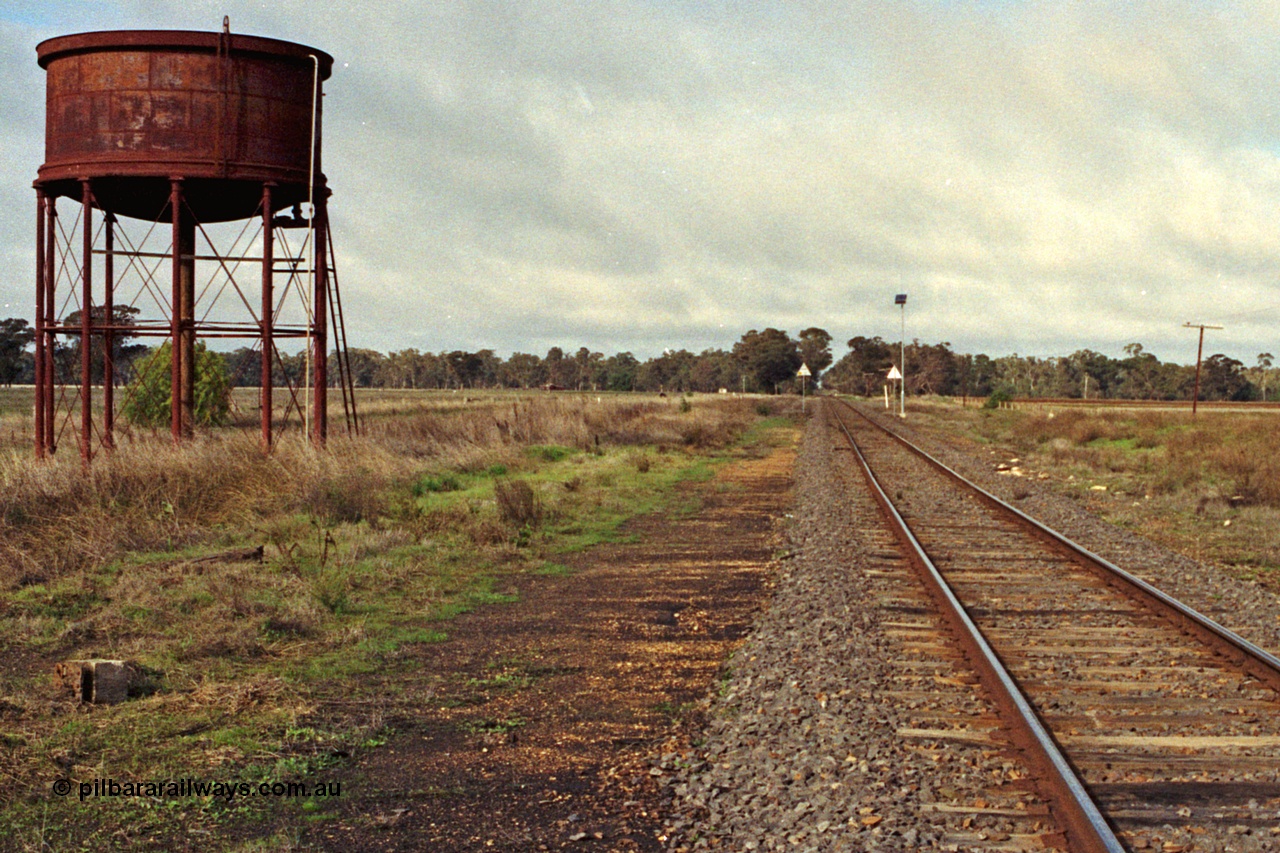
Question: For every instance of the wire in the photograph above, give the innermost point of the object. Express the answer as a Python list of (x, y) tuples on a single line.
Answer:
[(1253, 312)]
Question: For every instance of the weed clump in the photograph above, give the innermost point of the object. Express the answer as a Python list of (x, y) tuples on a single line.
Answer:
[(1251, 470), (346, 499), (332, 589), (548, 452), (436, 483), (518, 504), (998, 399)]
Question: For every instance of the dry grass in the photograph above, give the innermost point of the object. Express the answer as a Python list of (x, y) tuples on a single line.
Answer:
[(149, 495), (55, 518), (1208, 486), (370, 547), (518, 504), (1157, 452)]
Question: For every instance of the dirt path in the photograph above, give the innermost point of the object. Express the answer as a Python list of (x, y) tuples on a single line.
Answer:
[(538, 719)]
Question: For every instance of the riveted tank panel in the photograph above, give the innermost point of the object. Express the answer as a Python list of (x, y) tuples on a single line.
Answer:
[(133, 109)]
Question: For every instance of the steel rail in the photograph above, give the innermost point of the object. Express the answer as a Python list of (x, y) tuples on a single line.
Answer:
[(1086, 829), (1257, 661)]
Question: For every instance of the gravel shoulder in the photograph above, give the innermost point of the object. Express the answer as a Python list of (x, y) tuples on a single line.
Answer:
[(804, 748)]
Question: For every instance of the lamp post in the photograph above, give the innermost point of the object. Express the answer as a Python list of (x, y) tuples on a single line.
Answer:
[(901, 300)]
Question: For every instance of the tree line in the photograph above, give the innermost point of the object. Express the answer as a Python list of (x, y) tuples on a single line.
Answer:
[(761, 361), (1139, 375)]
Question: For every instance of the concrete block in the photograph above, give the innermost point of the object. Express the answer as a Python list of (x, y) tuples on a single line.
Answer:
[(101, 682)]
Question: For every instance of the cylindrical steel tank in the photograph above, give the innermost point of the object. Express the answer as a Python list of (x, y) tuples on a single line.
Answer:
[(132, 109)]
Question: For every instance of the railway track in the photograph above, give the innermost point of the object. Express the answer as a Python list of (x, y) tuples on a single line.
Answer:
[(1145, 724)]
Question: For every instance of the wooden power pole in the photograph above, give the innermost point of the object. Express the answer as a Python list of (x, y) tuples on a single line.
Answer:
[(1195, 394)]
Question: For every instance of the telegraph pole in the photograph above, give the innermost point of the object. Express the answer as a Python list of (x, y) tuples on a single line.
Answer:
[(1195, 394)]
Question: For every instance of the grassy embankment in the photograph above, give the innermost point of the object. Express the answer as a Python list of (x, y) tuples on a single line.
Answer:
[(281, 670), (1207, 486)]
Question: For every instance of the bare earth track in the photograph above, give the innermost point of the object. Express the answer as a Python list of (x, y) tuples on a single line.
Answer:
[(541, 735)]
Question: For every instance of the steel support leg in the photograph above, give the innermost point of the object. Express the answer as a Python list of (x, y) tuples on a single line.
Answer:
[(50, 339), (108, 336), (86, 323), (268, 312), (39, 378)]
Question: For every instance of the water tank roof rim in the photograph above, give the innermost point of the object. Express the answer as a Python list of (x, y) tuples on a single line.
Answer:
[(97, 40)]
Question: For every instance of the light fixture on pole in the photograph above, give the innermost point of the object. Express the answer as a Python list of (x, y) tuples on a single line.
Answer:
[(901, 299)]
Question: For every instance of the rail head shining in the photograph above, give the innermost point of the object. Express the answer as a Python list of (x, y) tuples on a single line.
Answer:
[(1087, 830), (1261, 663)]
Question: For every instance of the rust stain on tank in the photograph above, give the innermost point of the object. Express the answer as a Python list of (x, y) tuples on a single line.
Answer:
[(130, 109)]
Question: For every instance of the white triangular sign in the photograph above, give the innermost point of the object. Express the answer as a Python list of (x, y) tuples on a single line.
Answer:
[(893, 373)]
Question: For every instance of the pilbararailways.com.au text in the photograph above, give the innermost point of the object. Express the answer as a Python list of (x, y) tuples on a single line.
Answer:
[(227, 791)]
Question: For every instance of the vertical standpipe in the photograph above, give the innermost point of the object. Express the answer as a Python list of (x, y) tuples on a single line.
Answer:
[(268, 311), (50, 279), (109, 335)]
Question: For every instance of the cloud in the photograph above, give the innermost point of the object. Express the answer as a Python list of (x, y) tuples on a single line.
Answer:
[(1040, 176)]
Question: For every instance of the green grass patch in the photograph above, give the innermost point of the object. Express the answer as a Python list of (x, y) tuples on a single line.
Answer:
[(493, 725), (549, 452), (449, 482)]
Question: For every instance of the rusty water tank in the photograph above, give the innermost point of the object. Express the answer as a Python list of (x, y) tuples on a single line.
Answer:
[(132, 109)]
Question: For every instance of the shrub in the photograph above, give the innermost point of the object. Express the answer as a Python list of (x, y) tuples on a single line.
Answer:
[(518, 504), (1146, 439), (332, 588), (436, 483), (1252, 472), (998, 399), (1039, 428), (147, 397), (352, 497)]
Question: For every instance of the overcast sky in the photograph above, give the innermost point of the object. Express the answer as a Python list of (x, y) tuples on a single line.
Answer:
[(1039, 177)]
